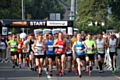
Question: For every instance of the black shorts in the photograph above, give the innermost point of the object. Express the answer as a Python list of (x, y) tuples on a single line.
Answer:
[(82, 57), (19, 52), (59, 56), (91, 56), (39, 56), (14, 53), (112, 54), (102, 55), (51, 56), (67, 55)]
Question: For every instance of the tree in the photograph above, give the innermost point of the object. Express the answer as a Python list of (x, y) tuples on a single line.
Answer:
[(92, 11), (37, 9), (41, 9)]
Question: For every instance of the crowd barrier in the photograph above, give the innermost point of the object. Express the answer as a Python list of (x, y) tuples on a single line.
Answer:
[(107, 60), (7, 59)]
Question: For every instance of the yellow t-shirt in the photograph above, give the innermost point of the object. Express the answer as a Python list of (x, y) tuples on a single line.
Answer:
[(73, 40)]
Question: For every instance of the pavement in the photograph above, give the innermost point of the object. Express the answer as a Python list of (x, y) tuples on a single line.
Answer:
[(8, 73)]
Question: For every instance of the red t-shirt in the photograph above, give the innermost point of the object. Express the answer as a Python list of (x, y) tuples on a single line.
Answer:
[(62, 47), (20, 44)]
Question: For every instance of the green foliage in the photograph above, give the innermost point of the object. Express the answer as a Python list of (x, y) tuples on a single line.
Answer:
[(34, 9), (92, 11), (40, 9), (67, 2)]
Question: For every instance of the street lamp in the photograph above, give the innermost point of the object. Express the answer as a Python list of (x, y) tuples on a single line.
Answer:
[(23, 16)]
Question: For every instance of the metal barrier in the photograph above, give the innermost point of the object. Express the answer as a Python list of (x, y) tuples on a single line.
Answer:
[(8, 57), (107, 60)]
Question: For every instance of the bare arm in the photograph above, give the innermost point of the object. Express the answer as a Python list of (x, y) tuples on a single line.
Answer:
[(33, 46), (85, 47), (8, 44), (55, 42), (73, 49)]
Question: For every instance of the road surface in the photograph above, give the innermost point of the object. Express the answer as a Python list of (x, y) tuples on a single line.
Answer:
[(8, 73)]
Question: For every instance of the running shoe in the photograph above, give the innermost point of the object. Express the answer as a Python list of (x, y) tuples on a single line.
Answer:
[(77, 73), (63, 72), (69, 70), (57, 73), (50, 73), (39, 74), (13, 66), (80, 75), (16, 64), (115, 69), (19, 65), (60, 73), (86, 70), (90, 73), (96, 67)]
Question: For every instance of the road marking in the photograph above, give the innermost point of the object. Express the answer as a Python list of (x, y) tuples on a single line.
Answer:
[(48, 76), (116, 76)]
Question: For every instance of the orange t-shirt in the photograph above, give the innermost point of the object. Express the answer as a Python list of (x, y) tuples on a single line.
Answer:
[(20, 44)]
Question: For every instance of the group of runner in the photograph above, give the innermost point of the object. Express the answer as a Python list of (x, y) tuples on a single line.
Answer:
[(79, 51)]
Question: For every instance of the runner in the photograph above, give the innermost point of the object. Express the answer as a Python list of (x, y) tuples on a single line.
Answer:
[(61, 45), (31, 55), (74, 39), (91, 46), (50, 52), (38, 48), (12, 44), (79, 48), (113, 43), (69, 53), (25, 51), (45, 38), (101, 52), (19, 50)]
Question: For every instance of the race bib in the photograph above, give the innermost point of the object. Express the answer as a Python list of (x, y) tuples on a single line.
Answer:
[(60, 48), (13, 45), (112, 48), (89, 49), (19, 46), (100, 50), (78, 49), (39, 51), (69, 52), (50, 48)]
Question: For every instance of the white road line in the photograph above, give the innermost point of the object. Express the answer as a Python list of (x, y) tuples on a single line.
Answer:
[(117, 76), (48, 76)]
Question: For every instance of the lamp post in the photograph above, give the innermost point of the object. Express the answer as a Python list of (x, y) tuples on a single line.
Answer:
[(23, 16)]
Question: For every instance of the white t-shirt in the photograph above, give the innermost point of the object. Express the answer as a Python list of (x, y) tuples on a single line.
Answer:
[(27, 47)]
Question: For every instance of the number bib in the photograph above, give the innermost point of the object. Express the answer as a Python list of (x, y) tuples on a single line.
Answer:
[(100, 50), (78, 49), (60, 48), (112, 48), (69, 52), (89, 49), (39, 50), (50, 48), (19, 46), (13, 45)]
